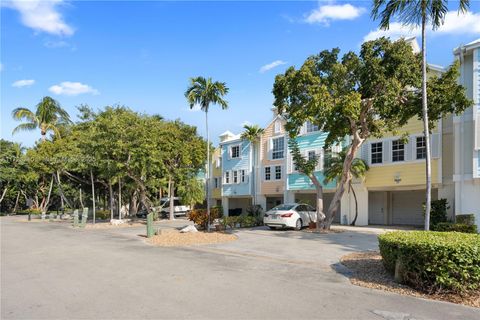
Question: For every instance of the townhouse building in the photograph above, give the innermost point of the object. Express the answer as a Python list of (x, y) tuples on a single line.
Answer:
[(216, 177), (466, 135), (236, 162)]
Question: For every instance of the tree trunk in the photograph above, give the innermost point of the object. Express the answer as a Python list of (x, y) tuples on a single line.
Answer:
[(81, 200), (346, 177), (356, 203), (119, 199), (45, 204), (16, 203), (132, 207), (4, 193), (110, 191), (63, 199), (207, 172), (254, 202), (428, 169), (93, 195), (170, 198), (319, 205)]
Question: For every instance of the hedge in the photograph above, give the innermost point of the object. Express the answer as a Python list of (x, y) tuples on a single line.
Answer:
[(458, 227), (465, 219), (434, 261)]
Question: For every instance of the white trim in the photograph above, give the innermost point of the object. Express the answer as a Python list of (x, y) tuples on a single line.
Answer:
[(239, 151)]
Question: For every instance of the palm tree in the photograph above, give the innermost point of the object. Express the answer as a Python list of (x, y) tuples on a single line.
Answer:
[(204, 92), (334, 169), (252, 133), (49, 116), (418, 12)]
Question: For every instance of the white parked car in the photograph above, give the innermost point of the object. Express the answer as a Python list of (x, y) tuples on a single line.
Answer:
[(179, 209), (293, 215)]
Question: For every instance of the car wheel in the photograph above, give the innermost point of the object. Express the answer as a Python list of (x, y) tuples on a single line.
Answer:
[(298, 224)]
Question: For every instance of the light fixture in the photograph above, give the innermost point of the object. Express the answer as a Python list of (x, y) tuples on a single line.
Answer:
[(397, 179)]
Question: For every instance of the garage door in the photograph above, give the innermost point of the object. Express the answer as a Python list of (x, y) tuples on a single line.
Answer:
[(407, 207), (376, 210)]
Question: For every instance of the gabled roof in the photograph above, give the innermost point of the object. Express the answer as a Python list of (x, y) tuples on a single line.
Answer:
[(467, 47)]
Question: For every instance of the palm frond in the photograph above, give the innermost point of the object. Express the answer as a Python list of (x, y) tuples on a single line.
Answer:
[(25, 127), (24, 113)]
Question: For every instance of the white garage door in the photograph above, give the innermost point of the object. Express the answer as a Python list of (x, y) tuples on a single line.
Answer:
[(407, 207)]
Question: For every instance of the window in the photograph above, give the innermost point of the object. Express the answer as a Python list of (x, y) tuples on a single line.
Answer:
[(311, 155), (310, 208), (278, 172), (267, 173), (398, 151), (278, 146), (218, 162), (235, 176), (235, 152), (215, 183), (377, 152), (421, 148), (227, 177), (311, 127), (277, 127), (242, 176)]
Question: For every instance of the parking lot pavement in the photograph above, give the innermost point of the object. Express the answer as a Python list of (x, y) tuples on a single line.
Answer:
[(51, 271)]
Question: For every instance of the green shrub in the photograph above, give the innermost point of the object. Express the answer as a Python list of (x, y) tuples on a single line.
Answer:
[(458, 227), (465, 219), (434, 261), (30, 211), (199, 216), (101, 214), (438, 212)]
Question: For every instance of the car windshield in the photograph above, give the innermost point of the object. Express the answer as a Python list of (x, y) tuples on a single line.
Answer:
[(283, 207)]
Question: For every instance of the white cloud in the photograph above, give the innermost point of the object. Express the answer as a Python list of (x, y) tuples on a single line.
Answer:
[(23, 83), (195, 108), (468, 23), (72, 88), (272, 65), (41, 15), (324, 14)]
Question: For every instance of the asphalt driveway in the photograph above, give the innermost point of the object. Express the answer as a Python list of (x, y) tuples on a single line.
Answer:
[(50, 271)]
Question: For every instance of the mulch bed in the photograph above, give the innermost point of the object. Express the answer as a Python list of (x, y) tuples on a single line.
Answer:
[(175, 238), (368, 271)]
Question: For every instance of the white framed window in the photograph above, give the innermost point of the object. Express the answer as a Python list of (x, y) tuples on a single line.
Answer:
[(376, 152), (218, 162), (421, 148), (311, 155), (235, 152), (278, 172), (310, 127), (277, 127), (268, 174), (278, 148), (243, 178), (227, 177), (398, 151), (235, 176)]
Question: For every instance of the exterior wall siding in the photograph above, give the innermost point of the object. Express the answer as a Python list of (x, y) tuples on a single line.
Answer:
[(241, 163), (272, 187), (310, 141), (216, 173), (410, 174)]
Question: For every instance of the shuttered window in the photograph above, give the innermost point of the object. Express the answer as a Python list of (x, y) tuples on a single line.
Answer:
[(398, 151), (278, 146), (377, 152), (421, 148)]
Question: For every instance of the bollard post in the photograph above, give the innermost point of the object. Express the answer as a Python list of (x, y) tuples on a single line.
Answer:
[(75, 218), (84, 218), (150, 232), (43, 216), (29, 216)]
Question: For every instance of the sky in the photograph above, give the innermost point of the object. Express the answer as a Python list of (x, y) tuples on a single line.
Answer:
[(142, 54)]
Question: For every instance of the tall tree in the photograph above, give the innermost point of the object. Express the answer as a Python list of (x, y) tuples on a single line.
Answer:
[(48, 116), (361, 96), (334, 169), (418, 13), (252, 133), (204, 92)]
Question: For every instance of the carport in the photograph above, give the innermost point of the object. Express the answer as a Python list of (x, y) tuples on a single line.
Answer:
[(311, 199)]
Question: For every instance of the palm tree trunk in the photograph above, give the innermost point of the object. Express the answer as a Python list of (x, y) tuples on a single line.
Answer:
[(356, 203), (170, 198), (425, 121), (207, 171), (45, 206), (93, 195), (254, 202)]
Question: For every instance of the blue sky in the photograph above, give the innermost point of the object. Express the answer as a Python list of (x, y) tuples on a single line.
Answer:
[(141, 54)]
